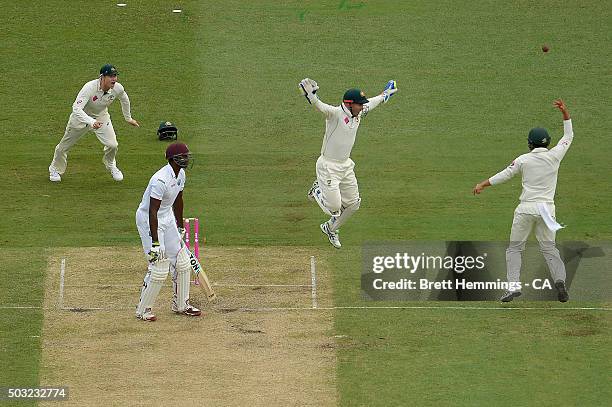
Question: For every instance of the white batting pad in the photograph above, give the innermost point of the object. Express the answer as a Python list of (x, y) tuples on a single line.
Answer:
[(182, 281), (156, 278)]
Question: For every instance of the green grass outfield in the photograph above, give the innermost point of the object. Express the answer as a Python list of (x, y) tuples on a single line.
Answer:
[(472, 81)]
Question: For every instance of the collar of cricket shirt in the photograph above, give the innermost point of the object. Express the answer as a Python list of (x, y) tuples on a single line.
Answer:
[(539, 150), (346, 111), (353, 119), (100, 88)]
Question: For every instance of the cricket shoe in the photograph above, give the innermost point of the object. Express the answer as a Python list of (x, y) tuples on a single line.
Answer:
[(562, 293), (54, 176), (332, 236), (116, 173), (312, 191), (147, 316), (509, 296), (190, 310)]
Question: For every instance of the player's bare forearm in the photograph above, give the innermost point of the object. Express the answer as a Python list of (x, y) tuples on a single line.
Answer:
[(560, 104), (480, 186), (177, 208), (154, 205)]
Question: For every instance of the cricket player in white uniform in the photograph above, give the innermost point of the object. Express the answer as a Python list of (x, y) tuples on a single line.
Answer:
[(335, 189), (90, 113), (159, 219), (539, 169)]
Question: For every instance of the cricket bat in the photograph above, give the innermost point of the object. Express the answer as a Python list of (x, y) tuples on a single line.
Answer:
[(202, 277)]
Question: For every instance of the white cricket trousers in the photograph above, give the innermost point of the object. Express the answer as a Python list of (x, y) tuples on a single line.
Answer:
[(522, 225), (74, 131), (337, 182)]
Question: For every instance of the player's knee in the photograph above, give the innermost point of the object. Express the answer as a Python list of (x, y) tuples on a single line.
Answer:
[(548, 248), (515, 247), (355, 204), (159, 271), (334, 204), (183, 261), (113, 145)]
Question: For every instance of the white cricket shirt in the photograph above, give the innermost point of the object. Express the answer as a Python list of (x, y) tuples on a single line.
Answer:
[(341, 128), (165, 187), (92, 102), (539, 169)]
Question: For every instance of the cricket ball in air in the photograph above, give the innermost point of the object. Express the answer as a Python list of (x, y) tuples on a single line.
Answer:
[(545, 48)]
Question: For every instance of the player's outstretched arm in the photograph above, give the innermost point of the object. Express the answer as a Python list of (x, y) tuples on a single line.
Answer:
[(563, 145)]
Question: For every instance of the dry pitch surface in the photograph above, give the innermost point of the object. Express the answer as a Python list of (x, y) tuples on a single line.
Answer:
[(230, 356)]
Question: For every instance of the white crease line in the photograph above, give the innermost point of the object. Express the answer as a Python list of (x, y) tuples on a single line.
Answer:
[(60, 303), (264, 309), (313, 278)]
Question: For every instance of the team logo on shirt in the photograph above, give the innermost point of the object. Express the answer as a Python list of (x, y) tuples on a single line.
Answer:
[(346, 120), (179, 182), (95, 98), (329, 182)]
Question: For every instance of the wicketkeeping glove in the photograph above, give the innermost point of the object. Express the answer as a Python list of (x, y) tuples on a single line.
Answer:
[(309, 90), (155, 254), (389, 90)]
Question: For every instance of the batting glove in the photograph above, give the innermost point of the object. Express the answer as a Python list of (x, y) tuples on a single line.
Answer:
[(309, 90), (181, 233), (155, 254), (389, 90)]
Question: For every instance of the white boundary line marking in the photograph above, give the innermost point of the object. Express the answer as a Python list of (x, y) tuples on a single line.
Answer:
[(60, 303), (313, 279)]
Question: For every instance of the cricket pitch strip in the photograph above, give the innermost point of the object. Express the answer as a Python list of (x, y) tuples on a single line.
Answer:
[(232, 356)]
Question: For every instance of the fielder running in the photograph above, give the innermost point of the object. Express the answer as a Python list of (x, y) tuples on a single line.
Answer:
[(90, 113), (159, 219), (335, 189), (539, 169)]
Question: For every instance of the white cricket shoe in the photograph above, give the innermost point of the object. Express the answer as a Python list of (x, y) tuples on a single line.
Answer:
[(147, 316), (312, 191), (332, 236), (54, 176), (116, 173), (190, 310)]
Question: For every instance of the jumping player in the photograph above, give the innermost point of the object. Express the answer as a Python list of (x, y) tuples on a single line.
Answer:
[(539, 169), (335, 188)]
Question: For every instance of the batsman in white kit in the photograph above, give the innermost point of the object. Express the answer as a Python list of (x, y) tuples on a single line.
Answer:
[(90, 113), (335, 189), (159, 219), (539, 169)]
